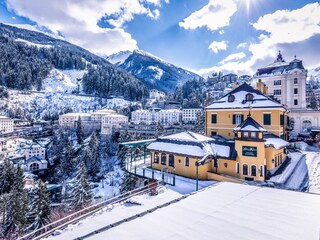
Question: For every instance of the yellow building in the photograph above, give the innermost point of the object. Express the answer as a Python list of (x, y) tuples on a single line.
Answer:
[(225, 114), (249, 156)]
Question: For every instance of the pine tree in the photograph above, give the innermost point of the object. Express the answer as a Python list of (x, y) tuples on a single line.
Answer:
[(14, 204), (79, 131), (20, 201), (81, 194), (40, 207), (313, 102), (6, 176), (94, 146)]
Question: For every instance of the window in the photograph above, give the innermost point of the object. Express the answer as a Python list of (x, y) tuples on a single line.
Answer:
[(295, 90), (34, 166), (237, 119), (295, 102), (277, 92), (253, 171), (245, 134), (231, 98), (163, 159), (295, 81), (245, 169), (187, 162), (267, 119), (213, 134), (171, 160), (213, 118), (238, 168), (156, 157), (281, 119), (277, 82), (249, 97)]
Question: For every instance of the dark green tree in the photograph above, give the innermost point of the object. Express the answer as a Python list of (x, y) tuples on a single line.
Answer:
[(81, 194), (79, 131)]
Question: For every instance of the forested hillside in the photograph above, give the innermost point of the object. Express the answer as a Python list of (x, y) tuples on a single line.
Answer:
[(27, 57)]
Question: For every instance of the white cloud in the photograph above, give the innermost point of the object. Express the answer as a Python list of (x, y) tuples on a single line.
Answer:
[(221, 32), (234, 56), (215, 15), (292, 32), (242, 45), (78, 20), (217, 46)]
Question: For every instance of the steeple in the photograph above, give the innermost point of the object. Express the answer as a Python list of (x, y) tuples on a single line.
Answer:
[(279, 57)]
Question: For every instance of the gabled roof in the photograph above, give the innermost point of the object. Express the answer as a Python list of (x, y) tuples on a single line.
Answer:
[(240, 102), (36, 159), (193, 144), (249, 125)]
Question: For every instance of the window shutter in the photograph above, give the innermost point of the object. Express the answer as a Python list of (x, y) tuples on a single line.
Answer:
[(233, 119), (241, 117)]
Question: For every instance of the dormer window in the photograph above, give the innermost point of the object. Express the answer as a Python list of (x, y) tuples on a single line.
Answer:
[(249, 97), (231, 98)]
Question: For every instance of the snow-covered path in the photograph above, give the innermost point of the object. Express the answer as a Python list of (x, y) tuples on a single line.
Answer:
[(313, 162), (295, 175)]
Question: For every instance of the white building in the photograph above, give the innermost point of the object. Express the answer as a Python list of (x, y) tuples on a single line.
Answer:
[(110, 122), (6, 124), (156, 115), (69, 119), (97, 116), (35, 150), (285, 81), (190, 115), (156, 94), (35, 164)]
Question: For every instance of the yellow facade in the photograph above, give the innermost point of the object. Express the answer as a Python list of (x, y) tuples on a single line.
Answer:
[(180, 167), (224, 121)]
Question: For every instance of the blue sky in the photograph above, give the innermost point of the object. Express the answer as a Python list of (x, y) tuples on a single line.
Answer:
[(201, 35)]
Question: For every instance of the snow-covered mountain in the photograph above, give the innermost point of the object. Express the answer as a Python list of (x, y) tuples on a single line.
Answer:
[(32, 60), (153, 71)]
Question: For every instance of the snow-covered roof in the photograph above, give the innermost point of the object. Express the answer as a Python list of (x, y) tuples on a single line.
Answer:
[(250, 125), (104, 112), (193, 144), (5, 117), (259, 100), (225, 211), (76, 115), (272, 140)]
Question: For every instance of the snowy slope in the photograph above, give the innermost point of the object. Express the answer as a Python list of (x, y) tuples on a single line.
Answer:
[(119, 58), (153, 71), (63, 80)]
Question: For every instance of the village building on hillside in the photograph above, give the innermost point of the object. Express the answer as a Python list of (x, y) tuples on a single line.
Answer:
[(6, 124), (156, 94), (105, 120), (191, 115), (157, 115), (111, 122), (224, 115)]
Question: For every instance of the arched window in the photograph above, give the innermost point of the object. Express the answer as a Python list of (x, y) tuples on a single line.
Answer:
[(231, 98), (249, 97), (163, 159), (245, 169), (171, 160), (156, 157), (34, 166), (253, 171)]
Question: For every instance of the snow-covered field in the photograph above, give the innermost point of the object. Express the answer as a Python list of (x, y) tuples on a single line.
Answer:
[(37, 105), (63, 80)]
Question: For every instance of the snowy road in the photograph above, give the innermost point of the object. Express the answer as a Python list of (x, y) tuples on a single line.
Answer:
[(313, 162)]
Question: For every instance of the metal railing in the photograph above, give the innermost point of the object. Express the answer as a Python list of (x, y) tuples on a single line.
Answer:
[(77, 216)]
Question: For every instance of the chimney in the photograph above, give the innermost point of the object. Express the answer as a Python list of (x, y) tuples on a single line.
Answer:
[(261, 87)]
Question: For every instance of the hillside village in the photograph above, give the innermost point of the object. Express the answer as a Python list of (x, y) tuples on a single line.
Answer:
[(96, 147)]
